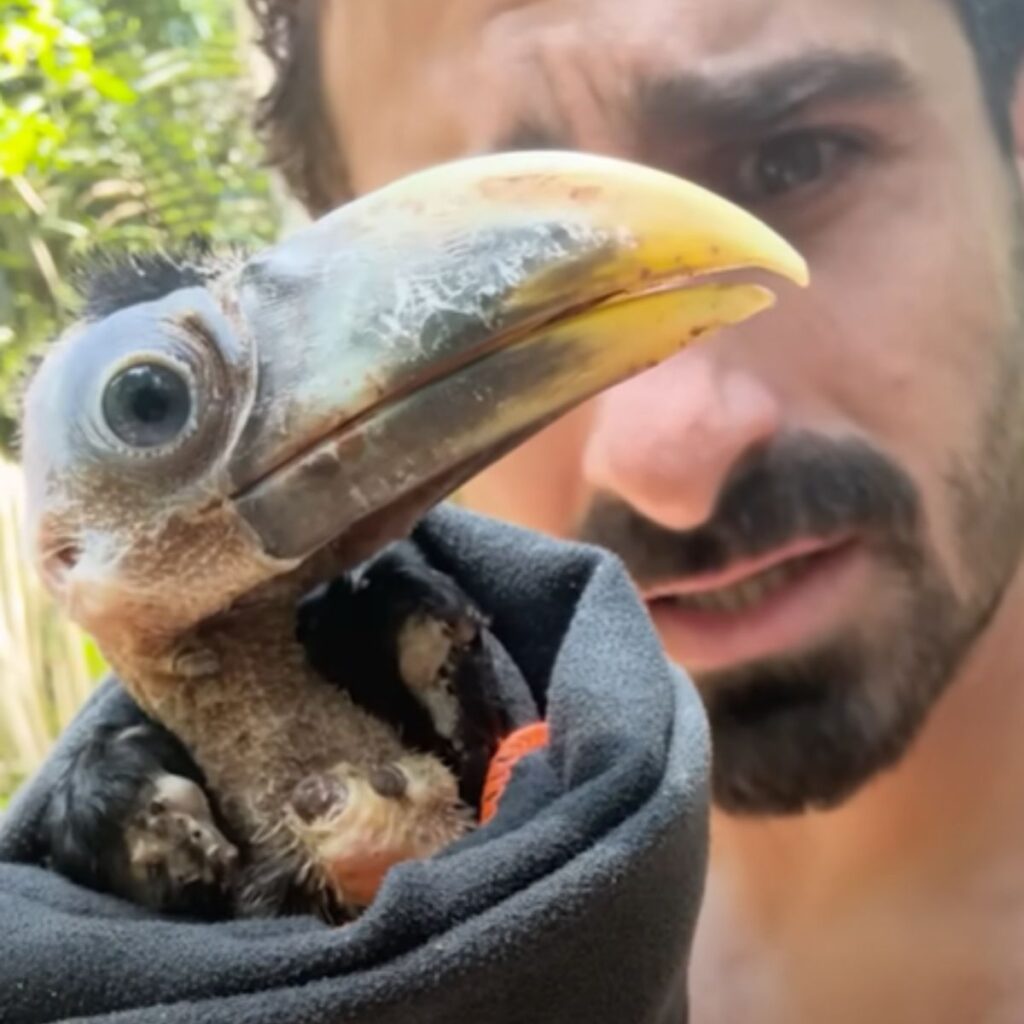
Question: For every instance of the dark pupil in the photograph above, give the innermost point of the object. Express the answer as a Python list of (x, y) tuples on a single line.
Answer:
[(789, 163), (147, 405)]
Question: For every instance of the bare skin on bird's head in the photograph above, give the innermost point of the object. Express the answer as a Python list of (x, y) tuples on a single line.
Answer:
[(201, 456)]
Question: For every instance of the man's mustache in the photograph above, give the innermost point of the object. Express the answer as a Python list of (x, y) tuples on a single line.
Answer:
[(797, 487)]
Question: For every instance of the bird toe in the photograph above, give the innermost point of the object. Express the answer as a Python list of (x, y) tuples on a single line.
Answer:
[(317, 796), (178, 858), (389, 781)]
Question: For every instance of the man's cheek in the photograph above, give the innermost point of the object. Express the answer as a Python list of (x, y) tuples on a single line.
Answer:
[(911, 365), (539, 485), (901, 321)]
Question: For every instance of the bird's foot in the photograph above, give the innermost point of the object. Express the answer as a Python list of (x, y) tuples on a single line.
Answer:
[(397, 636), (178, 859), (428, 648), (357, 823)]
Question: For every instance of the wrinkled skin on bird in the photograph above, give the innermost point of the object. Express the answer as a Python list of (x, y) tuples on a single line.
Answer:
[(219, 444)]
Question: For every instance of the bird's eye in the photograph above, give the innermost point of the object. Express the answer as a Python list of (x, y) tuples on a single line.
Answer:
[(148, 405)]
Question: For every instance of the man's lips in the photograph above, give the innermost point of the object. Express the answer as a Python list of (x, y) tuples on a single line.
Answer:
[(748, 569), (766, 606)]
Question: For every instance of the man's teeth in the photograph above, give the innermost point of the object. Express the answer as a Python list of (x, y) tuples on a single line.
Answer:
[(741, 596)]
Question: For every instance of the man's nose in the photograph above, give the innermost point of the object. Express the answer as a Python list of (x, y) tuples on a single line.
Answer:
[(665, 441)]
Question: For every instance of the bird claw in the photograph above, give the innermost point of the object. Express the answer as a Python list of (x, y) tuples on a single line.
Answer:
[(318, 796), (357, 823), (407, 630), (389, 781), (178, 859), (435, 624)]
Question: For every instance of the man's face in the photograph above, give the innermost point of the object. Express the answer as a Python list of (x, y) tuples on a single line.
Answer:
[(824, 505)]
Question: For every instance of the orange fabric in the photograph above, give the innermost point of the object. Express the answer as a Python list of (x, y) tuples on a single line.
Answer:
[(360, 877), (515, 746)]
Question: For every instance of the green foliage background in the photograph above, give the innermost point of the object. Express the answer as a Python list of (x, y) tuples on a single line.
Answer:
[(121, 122)]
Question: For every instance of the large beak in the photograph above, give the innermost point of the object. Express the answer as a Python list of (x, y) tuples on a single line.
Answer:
[(411, 337)]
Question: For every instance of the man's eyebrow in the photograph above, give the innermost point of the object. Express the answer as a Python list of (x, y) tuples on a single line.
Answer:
[(752, 101)]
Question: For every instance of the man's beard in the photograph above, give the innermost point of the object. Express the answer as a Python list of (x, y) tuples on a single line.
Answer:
[(808, 730)]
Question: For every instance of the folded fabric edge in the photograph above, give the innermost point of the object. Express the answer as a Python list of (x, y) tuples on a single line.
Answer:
[(690, 735)]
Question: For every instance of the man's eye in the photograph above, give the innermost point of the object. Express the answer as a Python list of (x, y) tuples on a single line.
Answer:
[(789, 162)]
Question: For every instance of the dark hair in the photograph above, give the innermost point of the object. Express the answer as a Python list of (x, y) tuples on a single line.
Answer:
[(293, 123), (291, 117), (996, 31)]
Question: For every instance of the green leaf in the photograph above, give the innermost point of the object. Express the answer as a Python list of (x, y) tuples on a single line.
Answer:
[(108, 85), (94, 661)]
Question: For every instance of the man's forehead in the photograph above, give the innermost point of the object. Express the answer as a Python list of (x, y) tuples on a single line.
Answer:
[(406, 33), (519, 67)]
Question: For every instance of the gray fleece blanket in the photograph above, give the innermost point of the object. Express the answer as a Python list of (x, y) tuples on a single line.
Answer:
[(576, 904)]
